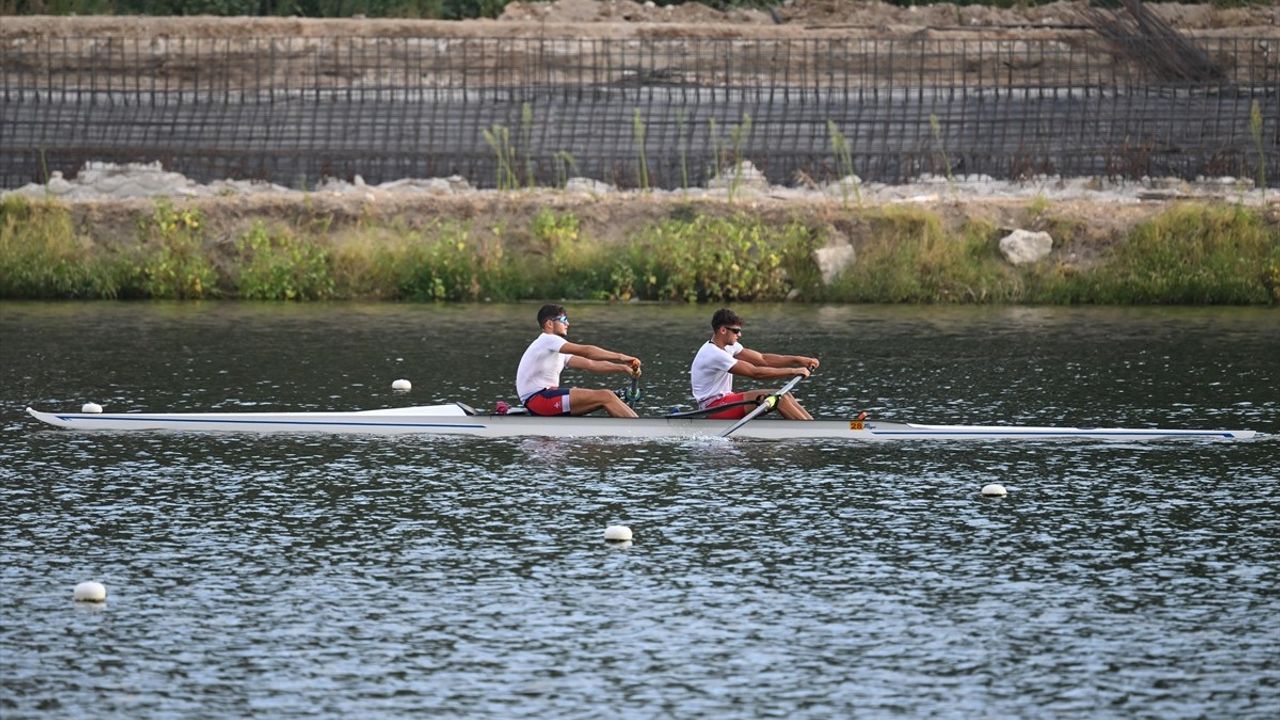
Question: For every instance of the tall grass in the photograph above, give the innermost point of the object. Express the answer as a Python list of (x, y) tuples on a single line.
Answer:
[(941, 143), (1193, 253), (642, 161), (844, 163), (564, 165), (684, 151), (498, 137), (909, 257), (42, 255), (1255, 130)]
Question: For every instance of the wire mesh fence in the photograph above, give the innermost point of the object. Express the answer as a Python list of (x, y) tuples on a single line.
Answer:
[(658, 112)]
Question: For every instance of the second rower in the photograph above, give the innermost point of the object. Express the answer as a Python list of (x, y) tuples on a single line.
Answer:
[(723, 356)]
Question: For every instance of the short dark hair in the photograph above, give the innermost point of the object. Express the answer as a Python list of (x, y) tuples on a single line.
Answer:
[(548, 311), (723, 317)]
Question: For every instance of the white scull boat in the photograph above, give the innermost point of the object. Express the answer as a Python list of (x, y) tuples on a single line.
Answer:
[(459, 419)]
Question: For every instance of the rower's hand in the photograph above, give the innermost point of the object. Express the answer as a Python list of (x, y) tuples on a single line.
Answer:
[(811, 363), (634, 365), (802, 372)]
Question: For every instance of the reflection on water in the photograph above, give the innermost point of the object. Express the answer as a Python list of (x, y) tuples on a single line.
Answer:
[(295, 575)]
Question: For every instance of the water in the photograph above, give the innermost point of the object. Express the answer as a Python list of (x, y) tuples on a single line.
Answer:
[(296, 576)]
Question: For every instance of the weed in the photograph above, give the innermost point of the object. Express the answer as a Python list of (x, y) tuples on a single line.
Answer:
[(940, 142), (1192, 254), (498, 138), (721, 260), (172, 262), (1255, 129), (282, 266), (637, 131), (526, 131), (1038, 206), (42, 256), (564, 165), (684, 151), (844, 164), (737, 137)]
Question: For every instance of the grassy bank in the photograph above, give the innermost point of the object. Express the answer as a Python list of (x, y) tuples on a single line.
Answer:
[(1190, 253)]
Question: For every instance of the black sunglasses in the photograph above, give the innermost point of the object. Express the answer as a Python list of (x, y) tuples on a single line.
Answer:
[(735, 331)]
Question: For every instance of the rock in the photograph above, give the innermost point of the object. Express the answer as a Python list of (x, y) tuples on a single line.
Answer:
[(833, 260), (1021, 247), (847, 186), (58, 185), (588, 186), (743, 176), (457, 183)]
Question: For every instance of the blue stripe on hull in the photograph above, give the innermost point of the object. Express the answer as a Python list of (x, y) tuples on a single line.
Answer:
[(333, 423)]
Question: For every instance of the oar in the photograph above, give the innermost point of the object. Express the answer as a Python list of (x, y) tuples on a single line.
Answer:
[(765, 406)]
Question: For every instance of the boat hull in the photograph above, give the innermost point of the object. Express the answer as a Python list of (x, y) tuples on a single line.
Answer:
[(453, 420)]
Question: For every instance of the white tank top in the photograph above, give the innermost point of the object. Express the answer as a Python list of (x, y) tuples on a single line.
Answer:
[(541, 365), (709, 375)]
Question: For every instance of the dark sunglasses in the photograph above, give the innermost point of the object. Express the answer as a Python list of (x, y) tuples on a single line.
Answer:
[(735, 331), (561, 319)]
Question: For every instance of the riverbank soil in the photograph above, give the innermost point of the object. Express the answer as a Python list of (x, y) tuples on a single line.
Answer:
[(625, 18)]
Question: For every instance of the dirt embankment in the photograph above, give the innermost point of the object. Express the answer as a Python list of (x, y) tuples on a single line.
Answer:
[(625, 18), (610, 215)]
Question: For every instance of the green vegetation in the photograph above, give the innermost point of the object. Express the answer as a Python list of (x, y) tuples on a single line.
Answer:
[(910, 258), (731, 156), (844, 163), (498, 138), (1255, 130), (172, 261), (42, 256), (1194, 255), (1190, 254), (280, 266), (637, 132)]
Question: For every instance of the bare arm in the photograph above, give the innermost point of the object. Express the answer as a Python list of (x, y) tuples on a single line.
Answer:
[(598, 360), (764, 372), (778, 361)]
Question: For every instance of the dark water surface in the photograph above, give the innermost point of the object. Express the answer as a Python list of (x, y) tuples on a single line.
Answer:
[(302, 576)]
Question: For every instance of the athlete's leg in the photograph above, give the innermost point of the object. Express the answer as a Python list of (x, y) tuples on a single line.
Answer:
[(787, 406), (583, 401)]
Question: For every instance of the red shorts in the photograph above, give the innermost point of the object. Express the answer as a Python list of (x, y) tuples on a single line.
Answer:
[(733, 413), (552, 401)]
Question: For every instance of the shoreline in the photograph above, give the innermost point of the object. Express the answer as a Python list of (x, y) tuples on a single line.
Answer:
[(938, 241)]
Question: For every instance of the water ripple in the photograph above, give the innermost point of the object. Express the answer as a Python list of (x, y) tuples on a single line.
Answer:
[(295, 576)]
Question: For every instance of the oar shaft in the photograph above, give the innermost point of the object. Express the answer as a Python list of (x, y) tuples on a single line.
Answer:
[(764, 406)]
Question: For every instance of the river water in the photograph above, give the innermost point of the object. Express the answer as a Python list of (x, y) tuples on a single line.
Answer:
[(302, 576)]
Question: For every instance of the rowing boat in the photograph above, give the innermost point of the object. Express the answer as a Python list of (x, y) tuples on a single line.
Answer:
[(459, 419)]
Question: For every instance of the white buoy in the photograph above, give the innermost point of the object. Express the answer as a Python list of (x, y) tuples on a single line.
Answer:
[(90, 592), (91, 407), (994, 490), (401, 385), (617, 533)]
